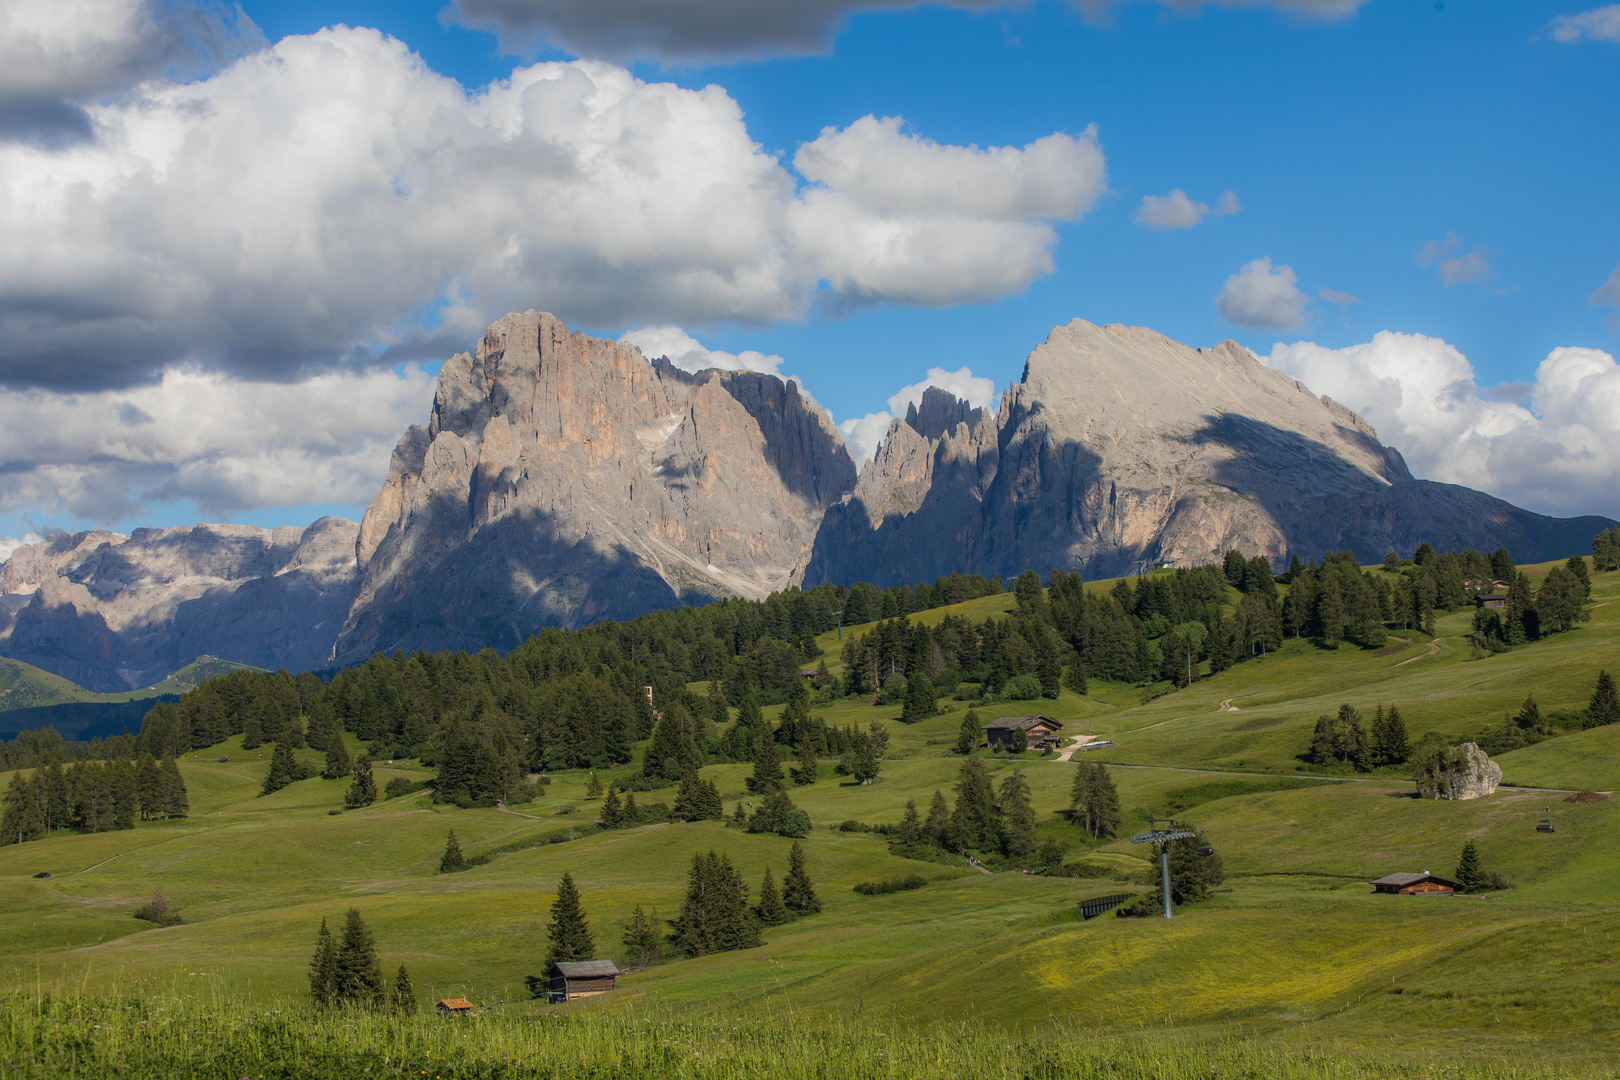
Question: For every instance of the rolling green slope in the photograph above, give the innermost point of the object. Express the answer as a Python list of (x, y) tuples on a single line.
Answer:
[(23, 686)]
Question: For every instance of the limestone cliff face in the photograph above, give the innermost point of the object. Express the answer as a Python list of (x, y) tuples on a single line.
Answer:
[(564, 479), (1120, 446), (115, 612)]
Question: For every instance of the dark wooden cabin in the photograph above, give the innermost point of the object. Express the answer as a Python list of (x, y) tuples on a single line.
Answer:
[(1424, 884), (1041, 731), (570, 979)]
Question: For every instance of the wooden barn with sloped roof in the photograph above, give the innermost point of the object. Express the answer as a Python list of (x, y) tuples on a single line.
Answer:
[(1041, 731), (570, 979), (1424, 884)]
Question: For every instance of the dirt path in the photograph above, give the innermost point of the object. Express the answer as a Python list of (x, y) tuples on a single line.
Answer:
[(1067, 753), (1434, 647), (1227, 706)]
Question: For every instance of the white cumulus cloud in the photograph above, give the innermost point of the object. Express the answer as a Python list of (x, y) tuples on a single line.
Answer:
[(227, 445), (1176, 211), (1261, 296), (894, 216), (864, 434), (1598, 24), (688, 354), (1559, 456)]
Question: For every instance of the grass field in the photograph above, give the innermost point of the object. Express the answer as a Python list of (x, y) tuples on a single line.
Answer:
[(23, 686), (1298, 958)]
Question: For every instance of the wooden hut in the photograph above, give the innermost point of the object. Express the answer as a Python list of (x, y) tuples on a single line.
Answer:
[(1424, 884), (454, 1007), (1041, 731), (1490, 602), (570, 979)]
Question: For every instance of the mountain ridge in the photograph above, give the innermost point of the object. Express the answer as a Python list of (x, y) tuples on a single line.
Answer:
[(563, 479)]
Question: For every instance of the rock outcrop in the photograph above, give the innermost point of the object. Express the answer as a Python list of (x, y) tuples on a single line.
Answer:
[(1460, 772), (1121, 447), (565, 479), (115, 612)]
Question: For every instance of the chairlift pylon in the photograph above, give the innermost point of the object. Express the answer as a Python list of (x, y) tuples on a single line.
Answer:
[(1546, 825)]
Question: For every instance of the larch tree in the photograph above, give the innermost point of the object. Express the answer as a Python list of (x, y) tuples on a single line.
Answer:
[(969, 734), (937, 829), (973, 819), (569, 934), (642, 940), (1016, 816)]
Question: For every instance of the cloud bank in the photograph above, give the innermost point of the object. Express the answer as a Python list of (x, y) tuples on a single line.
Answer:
[(305, 206), (1559, 456), (1599, 24), (227, 445), (686, 353), (689, 31)]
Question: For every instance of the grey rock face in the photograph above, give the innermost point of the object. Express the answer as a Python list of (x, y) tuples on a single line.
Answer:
[(1120, 446), (1461, 772), (116, 612), (564, 479)]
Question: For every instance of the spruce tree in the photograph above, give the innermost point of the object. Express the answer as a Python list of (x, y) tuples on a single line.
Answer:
[(973, 819), (804, 772), (1392, 745), (1020, 740), (769, 910), (1016, 816), (643, 942), (910, 826), (1080, 797), (176, 803), (740, 818), (149, 788), (919, 698), (1105, 801), (718, 712), (1468, 874), (1576, 564), (453, 860), (593, 788), (323, 970), (969, 734), (937, 829), (363, 788), (1529, 715), (358, 981), (337, 753), (569, 934), (632, 812), (1048, 665), (403, 1001), (1604, 707), (21, 820), (283, 767), (767, 769), (612, 816), (1075, 676), (798, 894), (715, 915)]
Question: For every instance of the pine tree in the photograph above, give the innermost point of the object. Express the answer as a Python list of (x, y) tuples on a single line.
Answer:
[(569, 934), (337, 754), (1017, 816), (176, 803), (593, 788), (740, 818), (612, 816), (969, 734), (403, 1001), (1468, 874), (1604, 707), (698, 799), (910, 826), (718, 712), (1529, 715), (149, 788), (632, 812), (642, 941), (769, 910), (1048, 665), (358, 981), (452, 861), (798, 894), (973, 819), (1390, 746), (283, 767), (767, 769), (1576, 564), (323, 970), (1094, 801), (363, 788), (21, 820), (1080, 797), (715, 916), (1020, 740)]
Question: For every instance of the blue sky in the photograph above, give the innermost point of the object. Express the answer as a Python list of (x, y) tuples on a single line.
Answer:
[(1445, 171)]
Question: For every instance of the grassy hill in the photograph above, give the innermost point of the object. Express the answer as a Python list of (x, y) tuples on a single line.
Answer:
[(25, 687), (1299, 953)]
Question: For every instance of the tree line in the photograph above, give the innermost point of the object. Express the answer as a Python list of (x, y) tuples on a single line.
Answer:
[(91, 797)]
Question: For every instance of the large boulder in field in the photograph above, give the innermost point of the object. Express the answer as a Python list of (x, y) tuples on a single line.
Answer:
[(1459, 772)]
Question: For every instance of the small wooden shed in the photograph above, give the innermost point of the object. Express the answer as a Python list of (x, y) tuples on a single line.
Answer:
[(570, 979), (1039, 730), (454, 1007), (1424, 884)]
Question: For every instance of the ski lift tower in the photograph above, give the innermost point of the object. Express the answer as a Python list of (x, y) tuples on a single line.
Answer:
[(1162, 837)]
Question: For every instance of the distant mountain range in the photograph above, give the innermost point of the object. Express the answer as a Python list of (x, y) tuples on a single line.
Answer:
[(564, 479)]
